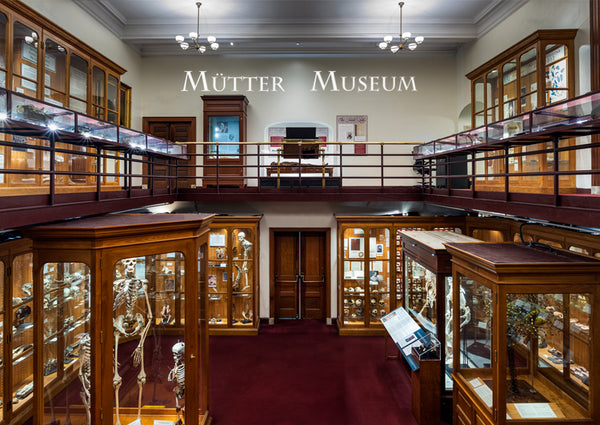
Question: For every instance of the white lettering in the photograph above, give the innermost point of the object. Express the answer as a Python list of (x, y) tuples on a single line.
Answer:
[(393, 85), (403, 82), (188, 76), (362, 82), (375, 83), (324, 84), (353, 79)]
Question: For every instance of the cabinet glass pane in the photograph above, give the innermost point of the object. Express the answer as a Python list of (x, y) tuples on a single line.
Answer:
[(242, 279), (112, 99), (353, 286), (509, 81), (3, 28), (224, 130), (449, 334), (556, 73), (67, 349), (22, 330), (55, 75), (420, 295), (25, 59), (478, 86), (146, 353), (218, 277), (98, 92), (528, 81), (379, 274), (168, 289), (78, 84), (548, 335), (475, 343)]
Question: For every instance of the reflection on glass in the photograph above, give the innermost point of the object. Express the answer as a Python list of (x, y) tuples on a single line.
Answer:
[(55, 58), (98, 92), (25, 53), (3, 28), (421, 294), (242, 279), (354, 299), (78, 84), (224, 130), (218, 277)]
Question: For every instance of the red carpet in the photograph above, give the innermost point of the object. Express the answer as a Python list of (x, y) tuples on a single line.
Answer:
[(303, 373)]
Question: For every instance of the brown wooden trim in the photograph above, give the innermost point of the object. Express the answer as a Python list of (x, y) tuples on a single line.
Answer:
[(22, 9), (544, 35), (595, 75)]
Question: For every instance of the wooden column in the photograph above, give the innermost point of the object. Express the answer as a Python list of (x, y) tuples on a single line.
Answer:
[(595, 76)]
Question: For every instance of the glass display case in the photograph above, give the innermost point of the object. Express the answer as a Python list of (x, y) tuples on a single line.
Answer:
[(472, 137), (232, 283), (509, 128), (575, 111), (428, 291), (446, 144), (526, 354), (122, 317), (41, 114), (225, 129)]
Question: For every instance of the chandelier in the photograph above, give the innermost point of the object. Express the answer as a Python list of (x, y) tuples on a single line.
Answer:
[(407, 41), (194, 41)]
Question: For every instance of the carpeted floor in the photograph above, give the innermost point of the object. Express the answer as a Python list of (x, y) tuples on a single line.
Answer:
[(304, 373)]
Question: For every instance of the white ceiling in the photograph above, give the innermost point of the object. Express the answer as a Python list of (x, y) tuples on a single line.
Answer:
[(298, 27)]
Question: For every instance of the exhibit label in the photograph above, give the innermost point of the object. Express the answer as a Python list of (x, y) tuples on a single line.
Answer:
[(321, 81)]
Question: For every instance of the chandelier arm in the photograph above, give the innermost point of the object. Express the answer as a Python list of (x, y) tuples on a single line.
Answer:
[(401, 4)]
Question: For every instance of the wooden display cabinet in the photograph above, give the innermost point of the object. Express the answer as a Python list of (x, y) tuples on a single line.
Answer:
[(534, 362), (536, 72), (232, 282), (225, 132), (16, 331), (100, 287), (428, 293)]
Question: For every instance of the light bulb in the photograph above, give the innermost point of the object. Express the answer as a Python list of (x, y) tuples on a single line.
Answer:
[(419, 39), (406, 34), (184, 45), (211, 39), (28, 39), (193, 35), (179, 38), (214, 46), (383, 45), (394, 48), (412, 46), (3, 116), (202, 49), (388, 38)]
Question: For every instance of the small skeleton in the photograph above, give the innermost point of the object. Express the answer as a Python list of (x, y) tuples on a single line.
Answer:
[(126, 292), (84, 373), (465, 317), (177, 375), (430, 295), (246, 247)]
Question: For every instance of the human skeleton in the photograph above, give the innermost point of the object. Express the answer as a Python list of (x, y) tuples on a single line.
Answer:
[(85, 372), (465, 317), (126, 291), (430, 292), (246, 247), (177, 375)]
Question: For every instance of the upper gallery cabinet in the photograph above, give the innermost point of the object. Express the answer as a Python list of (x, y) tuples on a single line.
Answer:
[(117, 313), (233, 259), (225, 132), (535, 72), (41, 60), (527, 354)]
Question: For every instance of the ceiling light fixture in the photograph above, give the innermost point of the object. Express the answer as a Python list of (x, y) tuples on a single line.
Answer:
[(407, 41), (212, 40)]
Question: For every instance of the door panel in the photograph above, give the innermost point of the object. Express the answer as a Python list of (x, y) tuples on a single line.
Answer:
[(300, 271), (286, 275), (312, 266)]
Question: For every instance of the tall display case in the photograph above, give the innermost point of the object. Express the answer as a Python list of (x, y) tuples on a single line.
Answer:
[(428, 291), (119, 314), (225, 130), (527, 355), (233, 275)]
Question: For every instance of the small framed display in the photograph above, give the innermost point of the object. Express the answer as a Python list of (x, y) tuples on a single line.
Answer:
[(170, 285), (217, 239)]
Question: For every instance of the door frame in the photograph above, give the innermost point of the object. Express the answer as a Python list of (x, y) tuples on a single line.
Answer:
[(327, 232)]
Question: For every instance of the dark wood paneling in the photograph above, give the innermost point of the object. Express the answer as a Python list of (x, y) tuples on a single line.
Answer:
[(313, 268), (286, 275)]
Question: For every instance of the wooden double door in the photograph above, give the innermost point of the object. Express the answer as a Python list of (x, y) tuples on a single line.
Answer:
[(301, 264)]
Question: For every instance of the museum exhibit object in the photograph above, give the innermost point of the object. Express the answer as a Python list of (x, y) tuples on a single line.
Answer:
[(428, 292), (225, 134), (233, 275), (118, 315), (527, 354)]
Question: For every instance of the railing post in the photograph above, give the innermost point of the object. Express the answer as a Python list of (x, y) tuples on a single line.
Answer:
[(555, 140), (52, 180), (506, 173), (381, 163), (99, 172)]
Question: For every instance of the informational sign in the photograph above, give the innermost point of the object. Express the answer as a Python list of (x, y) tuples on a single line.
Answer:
[(405, 332)]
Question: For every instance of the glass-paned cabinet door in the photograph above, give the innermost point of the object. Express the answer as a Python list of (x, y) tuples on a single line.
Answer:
[(557, 87), (3, 65), (25, 59), (242, 277), (99, 93), (548, 335), (22, 331), (67, 350), (112, 99), (475, 308), (168, 289), (420, 295), (528, 81), (491, 96), (479, 102), (78, 84), (509, 89), (353, 282), (379, 274), (448, 331), (218, 277), (55, 73), (145, 353), (224, 130)]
